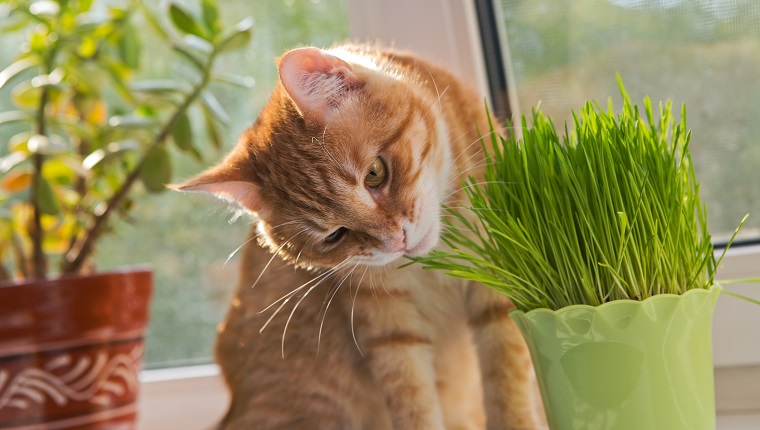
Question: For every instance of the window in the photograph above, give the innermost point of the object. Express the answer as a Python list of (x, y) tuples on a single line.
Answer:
[(705, 54)]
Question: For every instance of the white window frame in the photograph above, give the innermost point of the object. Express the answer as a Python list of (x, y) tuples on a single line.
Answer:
[(446, 31)]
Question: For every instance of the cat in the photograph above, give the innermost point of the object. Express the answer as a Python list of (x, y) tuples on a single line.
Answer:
[(345, 170)]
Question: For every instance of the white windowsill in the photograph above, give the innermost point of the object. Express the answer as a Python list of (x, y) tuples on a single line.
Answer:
[(182, 398), (195, 398)]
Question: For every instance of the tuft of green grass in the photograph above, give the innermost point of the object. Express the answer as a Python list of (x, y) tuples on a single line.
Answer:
[(606, 212)]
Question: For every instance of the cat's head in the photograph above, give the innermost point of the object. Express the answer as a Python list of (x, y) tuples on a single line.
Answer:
[(347, 162)]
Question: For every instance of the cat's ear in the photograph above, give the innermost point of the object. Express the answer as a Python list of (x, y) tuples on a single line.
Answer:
[(220, 182), (316, 81)]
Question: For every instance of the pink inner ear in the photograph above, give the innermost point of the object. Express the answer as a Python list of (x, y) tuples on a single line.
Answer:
[(244, 193), (316, 81)]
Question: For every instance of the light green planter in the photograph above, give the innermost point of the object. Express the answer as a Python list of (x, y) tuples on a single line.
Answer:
[(626, 364)]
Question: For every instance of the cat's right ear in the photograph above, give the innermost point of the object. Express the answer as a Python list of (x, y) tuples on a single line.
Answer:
[(221, 183), (316, 81)]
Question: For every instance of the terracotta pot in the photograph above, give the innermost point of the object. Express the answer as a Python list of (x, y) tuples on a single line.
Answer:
[(71, 349)]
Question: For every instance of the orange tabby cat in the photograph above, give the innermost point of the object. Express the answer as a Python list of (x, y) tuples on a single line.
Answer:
[(346, 169)]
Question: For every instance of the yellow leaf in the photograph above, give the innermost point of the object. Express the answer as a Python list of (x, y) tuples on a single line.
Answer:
[(98, 114), (17, 181)]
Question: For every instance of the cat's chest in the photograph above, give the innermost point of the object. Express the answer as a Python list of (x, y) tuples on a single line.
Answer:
[(439, 299)]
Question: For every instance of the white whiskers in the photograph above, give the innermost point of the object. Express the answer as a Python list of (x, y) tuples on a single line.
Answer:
[(274, 254)]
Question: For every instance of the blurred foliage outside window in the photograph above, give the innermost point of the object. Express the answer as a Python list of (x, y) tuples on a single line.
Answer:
[(705, 54), (187, 239)]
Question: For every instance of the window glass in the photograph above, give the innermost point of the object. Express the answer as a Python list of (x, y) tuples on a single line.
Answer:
[(188, 238), (705, 54)]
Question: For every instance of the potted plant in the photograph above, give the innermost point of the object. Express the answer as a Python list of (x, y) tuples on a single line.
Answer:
[(600, 239), (87, 135)]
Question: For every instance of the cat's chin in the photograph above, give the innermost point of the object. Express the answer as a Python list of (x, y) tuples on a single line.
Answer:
[(424, 245), (380, 259)]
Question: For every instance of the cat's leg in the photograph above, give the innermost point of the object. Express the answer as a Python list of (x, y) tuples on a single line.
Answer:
[(508, 381), (397, 344)]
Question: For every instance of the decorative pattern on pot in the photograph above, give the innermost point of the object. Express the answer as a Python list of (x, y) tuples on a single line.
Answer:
[(80, 384), (70, 351), (96, 379)]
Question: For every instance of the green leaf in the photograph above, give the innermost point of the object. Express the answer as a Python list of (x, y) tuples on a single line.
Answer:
[(240, 38), (13, 22), (236, 80), (184, 21), (130, 122), (45, 197), (12, 160), (182, 133), (156, 172), (16, 68), (189, 56), (15, 116), (211, 16), (118, 73), (153, 21), (129, 47), (199, 44), (88, 47), (112, 150), (212, 131), (211, 104), (159, 86), (26, 95)]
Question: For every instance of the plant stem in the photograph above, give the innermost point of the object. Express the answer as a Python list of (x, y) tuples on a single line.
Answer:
[(73, 264), (4, 274), (39, 262)]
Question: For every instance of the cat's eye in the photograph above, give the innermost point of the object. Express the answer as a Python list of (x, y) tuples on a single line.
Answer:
[(376, 173), (336, 235)]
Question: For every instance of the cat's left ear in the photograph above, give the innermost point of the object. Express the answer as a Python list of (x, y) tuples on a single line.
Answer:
[(225, 184), (316, 81)]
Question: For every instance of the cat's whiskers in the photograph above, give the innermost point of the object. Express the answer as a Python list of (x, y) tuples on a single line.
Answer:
[(457, 177), (275, 254), (478, 140), (382, 280), (477, 208), (320, 277), (332, 271), (353, 307), (468, 169), (232, 254), (474, 185), (321, 143), (439, 95), (332, 295)]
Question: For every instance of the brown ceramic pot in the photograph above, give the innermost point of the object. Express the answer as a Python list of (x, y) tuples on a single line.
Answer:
[(71, 349)]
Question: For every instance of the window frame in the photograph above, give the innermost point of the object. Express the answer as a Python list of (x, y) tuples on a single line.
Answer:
[(195, 396)]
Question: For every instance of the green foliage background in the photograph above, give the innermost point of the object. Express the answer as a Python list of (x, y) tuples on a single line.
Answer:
[(186, 238)]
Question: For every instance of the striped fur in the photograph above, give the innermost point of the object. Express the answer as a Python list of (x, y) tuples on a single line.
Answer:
[(350, 341)]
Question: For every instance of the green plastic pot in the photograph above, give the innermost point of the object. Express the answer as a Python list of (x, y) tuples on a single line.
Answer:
[(626, 364)]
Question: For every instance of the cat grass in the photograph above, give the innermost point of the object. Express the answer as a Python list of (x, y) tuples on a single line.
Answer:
[(609, 210)]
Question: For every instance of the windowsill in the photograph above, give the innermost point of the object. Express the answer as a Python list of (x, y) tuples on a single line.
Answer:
[(182, 398), (195, 398)]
